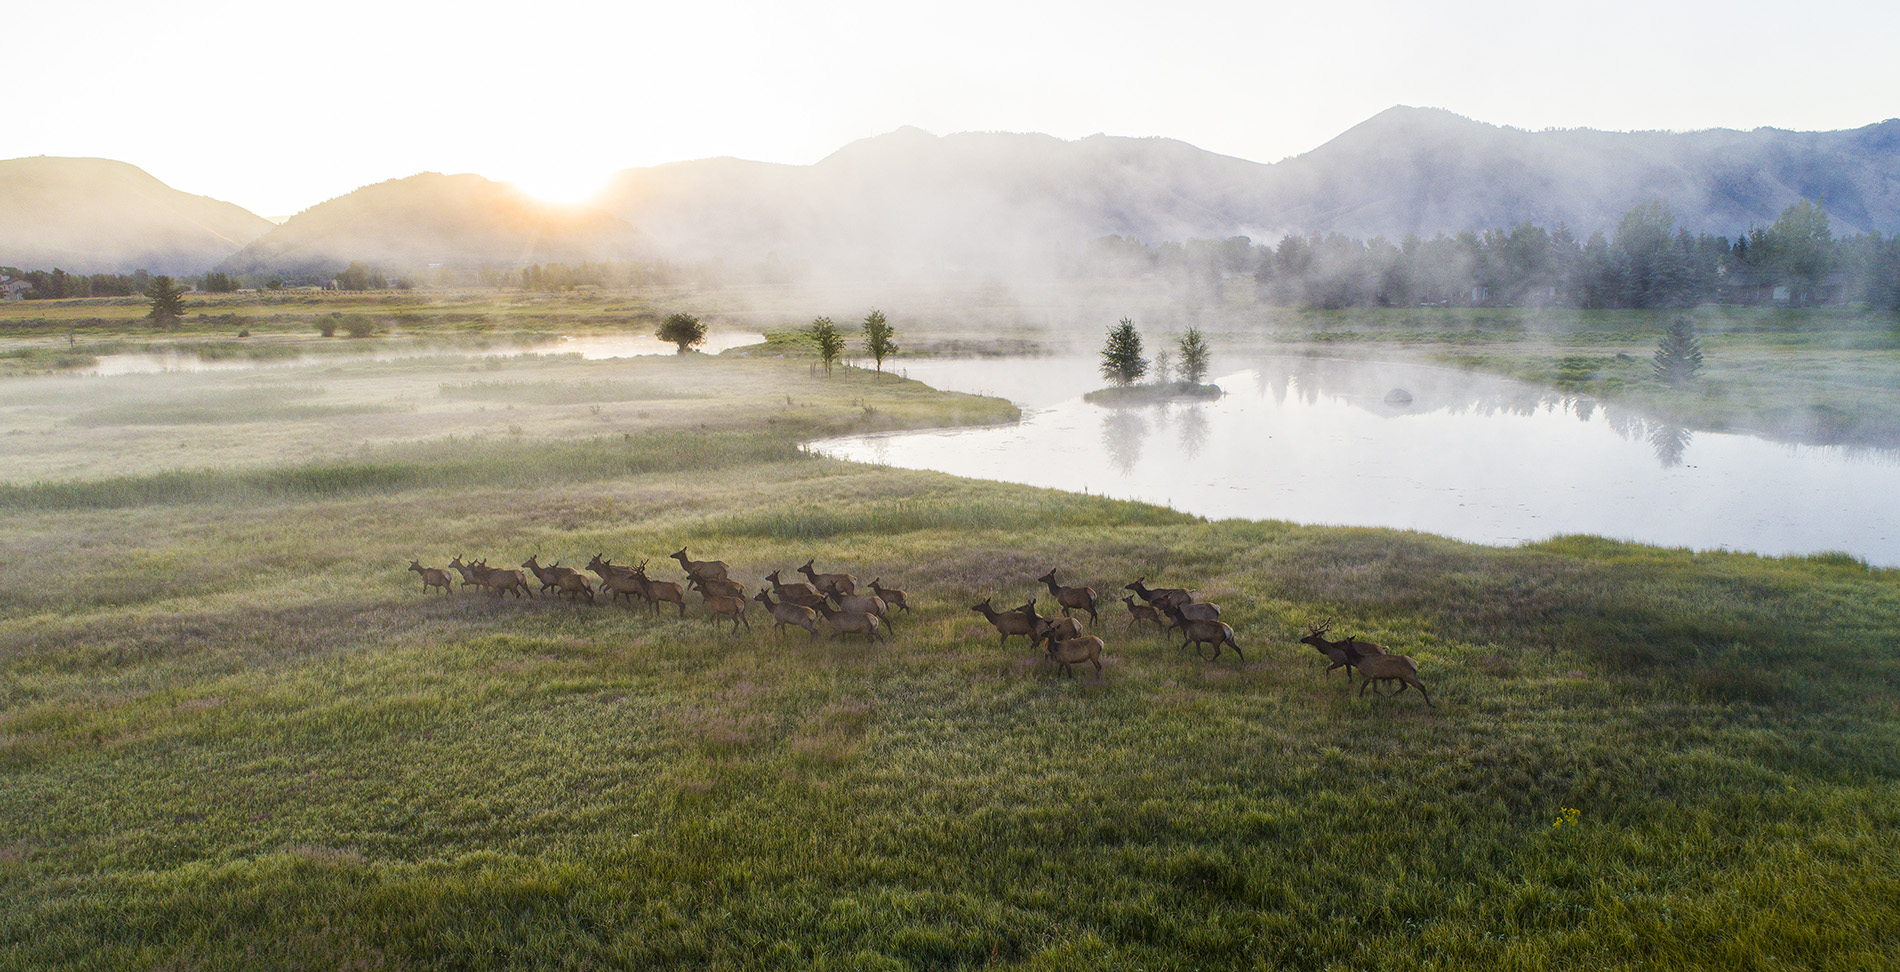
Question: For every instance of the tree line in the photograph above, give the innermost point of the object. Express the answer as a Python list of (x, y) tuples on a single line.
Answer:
[(1647, 262)]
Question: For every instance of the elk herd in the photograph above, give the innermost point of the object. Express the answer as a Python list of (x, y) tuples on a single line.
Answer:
[(830, 600), (834, 601)]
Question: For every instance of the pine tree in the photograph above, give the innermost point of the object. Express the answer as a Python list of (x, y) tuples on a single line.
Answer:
[(168, 302), (1679, 356), (877, 337), (1122, 361)]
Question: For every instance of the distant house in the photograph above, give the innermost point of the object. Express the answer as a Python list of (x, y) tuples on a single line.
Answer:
[(11, 289)]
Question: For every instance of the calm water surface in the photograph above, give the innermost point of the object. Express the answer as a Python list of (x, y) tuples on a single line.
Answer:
[(1477, 458)]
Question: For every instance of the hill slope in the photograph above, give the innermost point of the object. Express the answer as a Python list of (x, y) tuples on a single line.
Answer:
[(909, 199), (102, 216), (430, 218)]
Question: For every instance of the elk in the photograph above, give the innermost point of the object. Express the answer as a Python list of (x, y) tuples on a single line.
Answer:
[(891, 596), (657, 591), (1069, 652), (1138, 613), (1172, 595), (785, 612), (1335, 651), (1009, 623), (1082, 598), (500, 581), (1050, 629), (864, 604), (797, 592), (470, 576), (851, 622), (560, 580), (701, 568), (1180, 613), (829, 583), (1382, 666), (725, 606), (617, 581), (1216, 633), (433, 577), (717, 585)]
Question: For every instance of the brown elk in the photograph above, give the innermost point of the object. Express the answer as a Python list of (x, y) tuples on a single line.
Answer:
[(865, 604), (499, 581), (785, 612), (797, 592), (1155, 596), (891, 596), (700, 568), (1080, 598), (617, 581), (1383, 666), (1008, 623), (725, 606), (1181, 613), (470, 576), (560, 580), (1138, 613), (1069, 652), (852, 622), (433, 577), (829, 584), (1050, 629), (657, 591), (717, 585), (1216, 633), (1335, 651)]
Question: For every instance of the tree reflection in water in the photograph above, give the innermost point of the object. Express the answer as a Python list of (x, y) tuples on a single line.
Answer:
[(1670, 442), (1193, 430), (1123, 430)]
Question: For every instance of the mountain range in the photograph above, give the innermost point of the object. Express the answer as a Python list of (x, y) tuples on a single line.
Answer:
[(911, 201)]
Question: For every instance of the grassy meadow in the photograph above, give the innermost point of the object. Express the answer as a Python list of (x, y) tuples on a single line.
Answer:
[(236, 734)]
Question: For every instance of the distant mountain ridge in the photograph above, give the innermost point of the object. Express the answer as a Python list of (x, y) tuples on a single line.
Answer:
[(909, 201), (998, 199), (101, 216), (431, 219)]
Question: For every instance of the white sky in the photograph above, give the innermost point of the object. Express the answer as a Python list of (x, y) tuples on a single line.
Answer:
[(278, 106)]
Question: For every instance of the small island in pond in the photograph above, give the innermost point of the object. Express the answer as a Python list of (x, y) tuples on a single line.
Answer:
[(1152, 393)]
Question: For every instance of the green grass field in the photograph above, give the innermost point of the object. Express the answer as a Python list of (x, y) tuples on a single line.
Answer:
[(235, 734)]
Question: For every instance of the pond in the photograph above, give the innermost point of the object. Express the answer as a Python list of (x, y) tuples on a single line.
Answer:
[(1468, 456), (593, 347)]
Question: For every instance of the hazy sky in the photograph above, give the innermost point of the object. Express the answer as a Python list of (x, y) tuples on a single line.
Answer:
[(279, 106)]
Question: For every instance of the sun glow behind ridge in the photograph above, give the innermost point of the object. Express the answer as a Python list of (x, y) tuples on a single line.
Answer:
[(560, 186)]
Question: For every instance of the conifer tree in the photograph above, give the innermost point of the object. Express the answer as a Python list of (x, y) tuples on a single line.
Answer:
[(1122, 360)]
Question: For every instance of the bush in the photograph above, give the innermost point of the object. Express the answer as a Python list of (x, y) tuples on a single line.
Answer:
[(358, 326)]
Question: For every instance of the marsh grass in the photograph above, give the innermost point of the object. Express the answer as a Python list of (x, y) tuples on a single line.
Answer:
[(234, 734)]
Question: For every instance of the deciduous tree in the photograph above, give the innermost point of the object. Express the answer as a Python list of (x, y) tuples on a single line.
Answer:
[(877, 337), (825, 337), (684, 330), (1194, 356)]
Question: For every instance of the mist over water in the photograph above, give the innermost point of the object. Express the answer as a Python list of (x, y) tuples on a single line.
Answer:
[(591, 347), (1481, 459)]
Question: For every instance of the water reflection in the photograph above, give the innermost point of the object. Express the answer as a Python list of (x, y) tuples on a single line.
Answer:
[(1670, 442), (1123, 430), (1471, 456), (1193, 432)]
